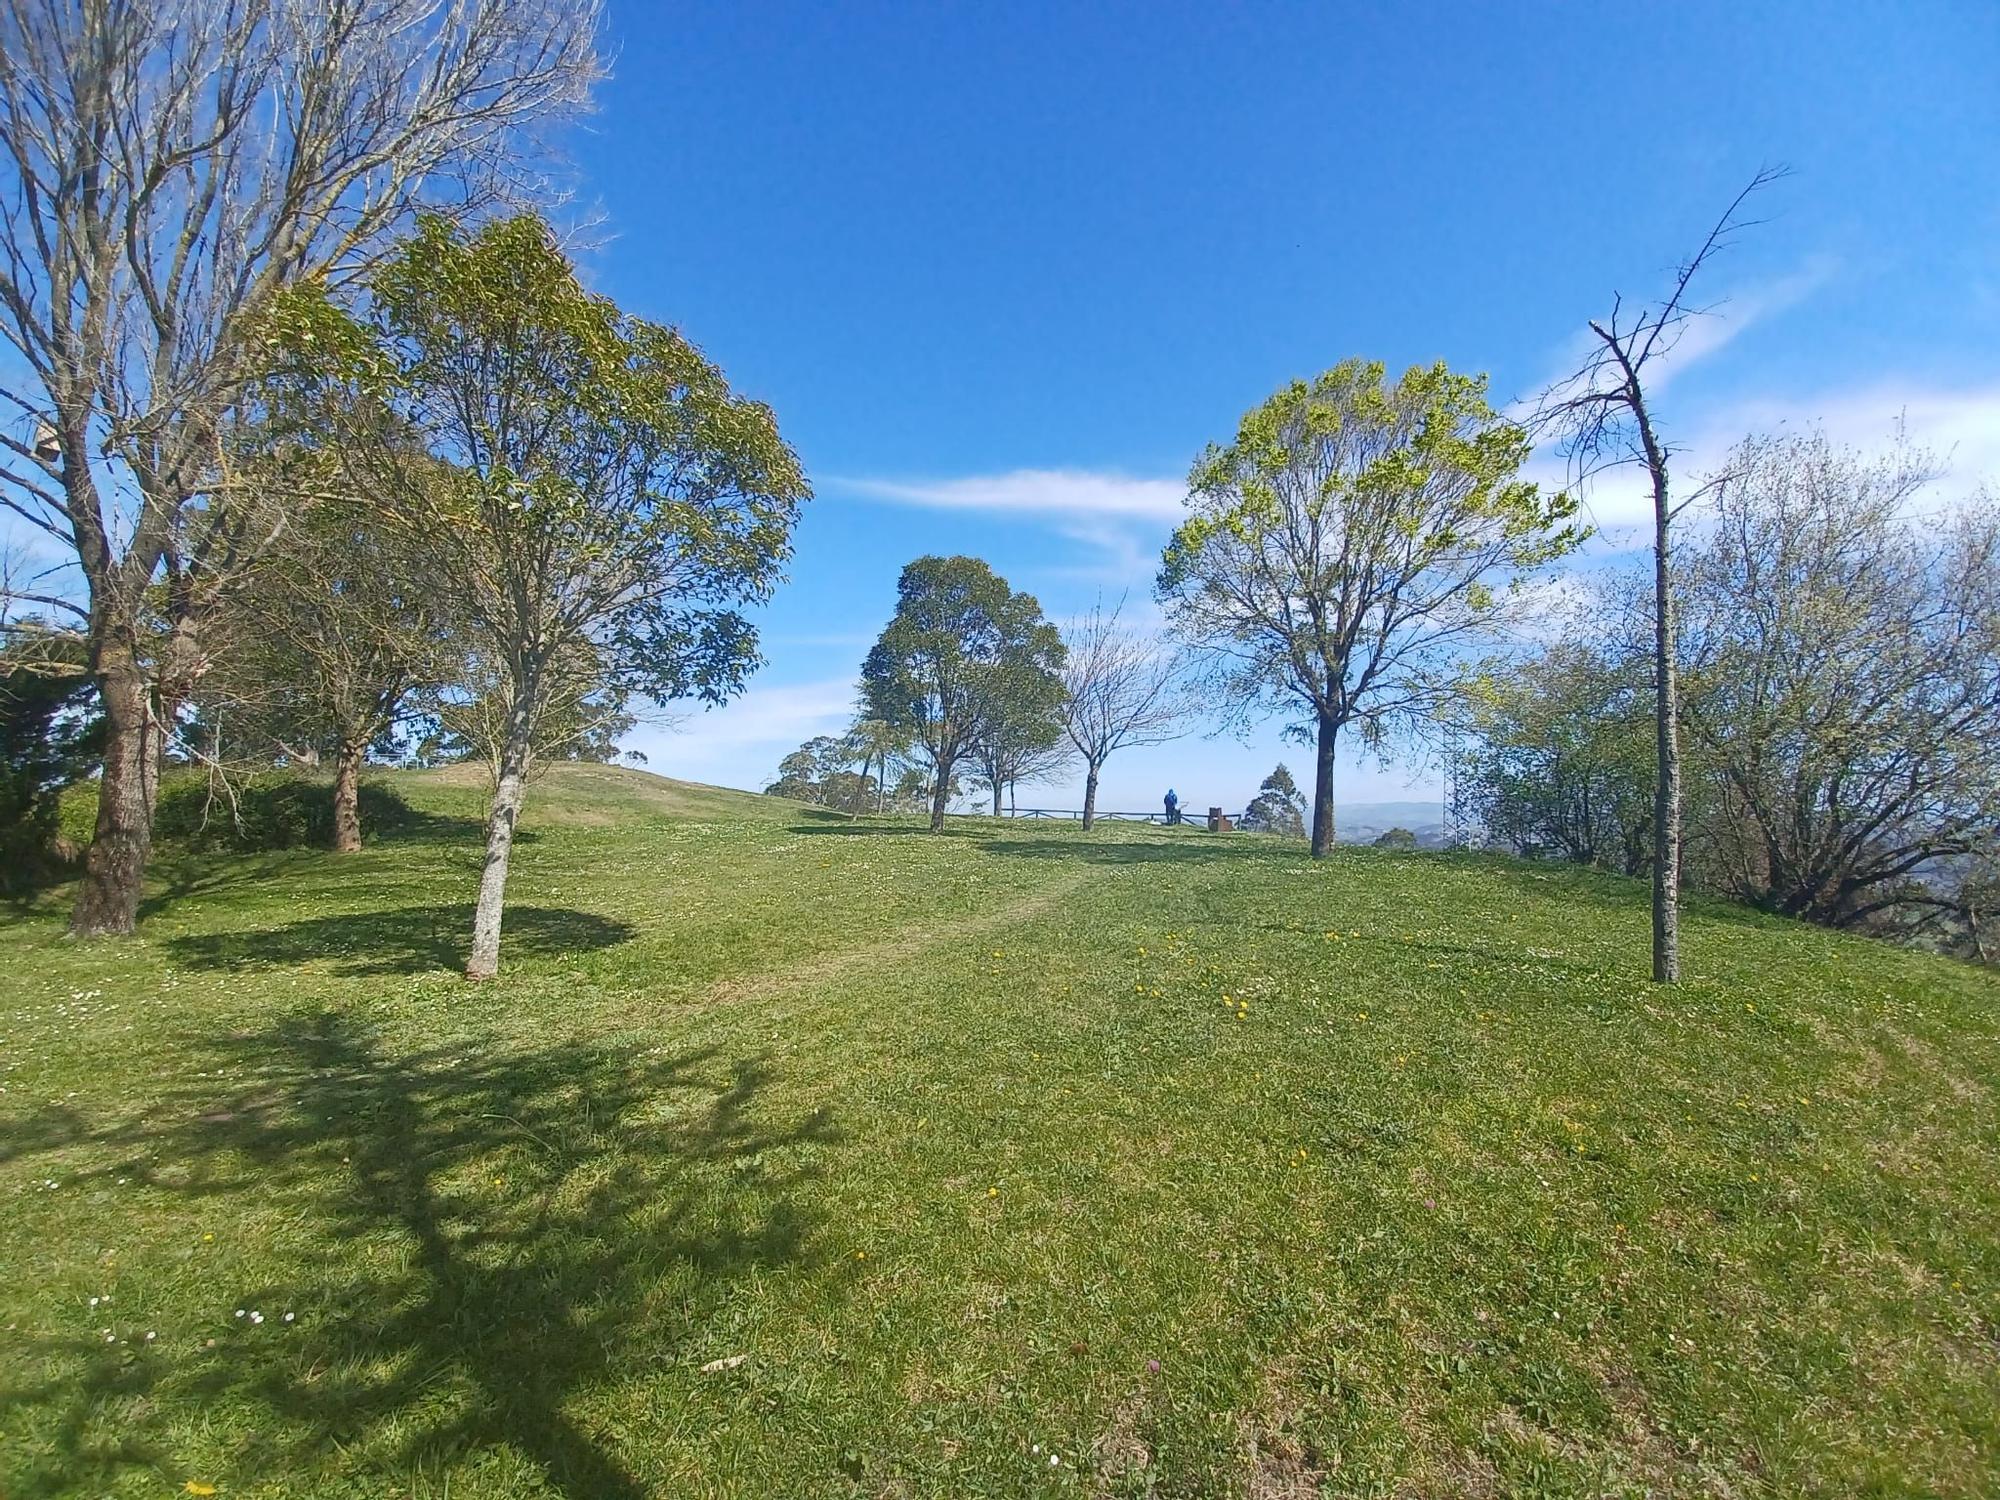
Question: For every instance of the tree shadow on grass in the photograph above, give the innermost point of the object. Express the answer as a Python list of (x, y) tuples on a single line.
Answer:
[(1165, 849), (1581, 885), (1185, 846), (402, 940), (907, 828), (488, 1239)]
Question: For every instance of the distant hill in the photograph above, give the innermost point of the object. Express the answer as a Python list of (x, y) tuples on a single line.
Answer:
[(1364, 822)]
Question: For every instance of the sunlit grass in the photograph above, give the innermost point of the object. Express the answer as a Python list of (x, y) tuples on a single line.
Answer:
[(795, 1157)]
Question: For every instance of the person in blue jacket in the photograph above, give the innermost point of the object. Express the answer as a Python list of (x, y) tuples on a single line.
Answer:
[(1173, 807)]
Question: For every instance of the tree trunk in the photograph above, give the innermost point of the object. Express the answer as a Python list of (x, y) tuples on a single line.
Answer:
[(1090, 797), (1666, 728), (1322, 829), (114, 872), (939, 790), (347, 798), (507, 795)]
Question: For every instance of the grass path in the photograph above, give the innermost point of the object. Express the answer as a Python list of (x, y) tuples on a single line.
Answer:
[(797, 1158), (905, 946)]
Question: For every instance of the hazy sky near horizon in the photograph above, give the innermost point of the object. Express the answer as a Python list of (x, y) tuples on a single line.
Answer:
[(1003, 271)]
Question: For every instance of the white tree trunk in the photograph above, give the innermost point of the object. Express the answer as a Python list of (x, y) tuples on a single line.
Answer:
[(508, 792)]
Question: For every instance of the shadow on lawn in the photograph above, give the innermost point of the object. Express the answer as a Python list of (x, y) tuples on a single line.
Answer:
[(1566, 884), (1177, 848), (492, 1238), (1185, 846), (403, 940)]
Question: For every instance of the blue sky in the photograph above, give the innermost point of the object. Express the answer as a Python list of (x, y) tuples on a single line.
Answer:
[(1002, 271)]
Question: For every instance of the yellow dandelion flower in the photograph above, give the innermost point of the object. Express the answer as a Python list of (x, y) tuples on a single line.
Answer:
[(196, 1487)]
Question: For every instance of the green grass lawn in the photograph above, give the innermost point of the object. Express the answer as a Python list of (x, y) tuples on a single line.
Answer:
[(792, 1157)]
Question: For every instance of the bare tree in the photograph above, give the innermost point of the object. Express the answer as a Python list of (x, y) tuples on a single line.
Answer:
[(1601, 419), (1120, 688), (167, 169)]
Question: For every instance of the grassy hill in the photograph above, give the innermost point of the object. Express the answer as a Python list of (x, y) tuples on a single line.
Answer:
[(792, 1157), (592, 794)]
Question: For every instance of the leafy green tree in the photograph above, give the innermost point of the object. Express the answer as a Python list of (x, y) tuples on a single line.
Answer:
[(337, 632), (1343, 550), (821, 772), (961, 648), (1397, 838), (1561, 758), (608, 503), (877, 743), (1277, 808), (1020, 700), (171, 168)]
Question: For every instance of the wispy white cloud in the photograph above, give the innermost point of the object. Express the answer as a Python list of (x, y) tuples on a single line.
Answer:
[(1117, 558), (1711, 328), (740, 743), (1053, 492), (1722, 323), (1961, 427)]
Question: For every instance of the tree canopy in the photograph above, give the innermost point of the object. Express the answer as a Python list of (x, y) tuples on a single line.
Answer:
[(602, 503), (964, 656), (1346, 545)]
